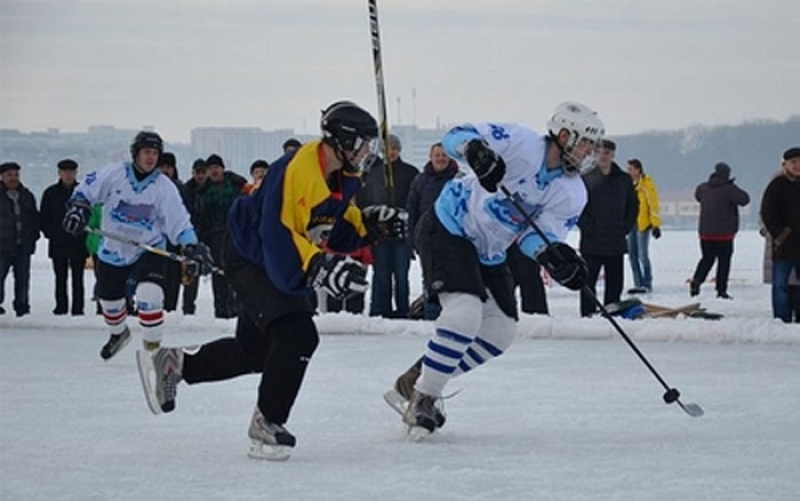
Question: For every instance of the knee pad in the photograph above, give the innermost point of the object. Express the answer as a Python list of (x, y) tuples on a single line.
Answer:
[(461, 313), (149, 296), (150, 301)]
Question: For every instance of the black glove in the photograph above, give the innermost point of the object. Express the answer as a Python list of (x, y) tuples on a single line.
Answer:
[(77, 217), (384, 222), (656, 232), (201, 261), (488, 165), (564, 265), (340, 276)]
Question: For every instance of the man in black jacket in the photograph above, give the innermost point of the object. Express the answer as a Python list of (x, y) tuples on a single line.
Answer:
[(19, 231), (67, 252), (780, 213), (608, 217), (392, 258), (720, 200)]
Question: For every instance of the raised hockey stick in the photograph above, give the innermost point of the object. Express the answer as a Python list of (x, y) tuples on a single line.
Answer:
[(150, 248), (672, 394), (382, 118)]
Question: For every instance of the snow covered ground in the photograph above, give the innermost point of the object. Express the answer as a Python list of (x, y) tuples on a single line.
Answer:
[(569, 413)]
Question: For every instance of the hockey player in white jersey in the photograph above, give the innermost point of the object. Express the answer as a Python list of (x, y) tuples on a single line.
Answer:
[(463, 243), (141, 205)]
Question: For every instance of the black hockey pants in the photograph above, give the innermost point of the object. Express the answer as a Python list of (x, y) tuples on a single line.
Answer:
[(275, 336)]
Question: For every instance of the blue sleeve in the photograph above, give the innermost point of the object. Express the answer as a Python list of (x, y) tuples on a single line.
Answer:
[(187, 237), (457, 136), (531, 243)]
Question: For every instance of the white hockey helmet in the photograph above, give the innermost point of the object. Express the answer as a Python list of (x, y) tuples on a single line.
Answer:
[(581, 122)]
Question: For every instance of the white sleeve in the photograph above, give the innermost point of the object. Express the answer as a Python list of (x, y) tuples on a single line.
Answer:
[(177, 222), (94, 188)]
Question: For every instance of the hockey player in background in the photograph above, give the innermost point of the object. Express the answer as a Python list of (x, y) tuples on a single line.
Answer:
[(274, 261), (142, 205), (463, 243)]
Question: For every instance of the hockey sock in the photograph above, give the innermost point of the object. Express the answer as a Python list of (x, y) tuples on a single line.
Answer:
[(496, 334), (114, 314), (150, 304), (456, 328)]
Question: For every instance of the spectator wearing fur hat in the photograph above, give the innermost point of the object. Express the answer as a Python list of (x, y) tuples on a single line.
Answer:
[(720, 200), (215, 200), (780, 213), (19, 231), (67, 252)]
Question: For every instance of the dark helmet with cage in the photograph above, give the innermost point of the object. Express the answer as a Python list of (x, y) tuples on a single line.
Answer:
[(347, 128), (583, 125), (146, 139)]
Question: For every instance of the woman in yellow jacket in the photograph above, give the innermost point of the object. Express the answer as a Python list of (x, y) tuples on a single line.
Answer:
[(648, 221)]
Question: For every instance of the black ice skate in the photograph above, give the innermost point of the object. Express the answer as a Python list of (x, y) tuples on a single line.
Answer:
[(421, 416), (403, 390), (270, 441), (160, 373), (115, 343)]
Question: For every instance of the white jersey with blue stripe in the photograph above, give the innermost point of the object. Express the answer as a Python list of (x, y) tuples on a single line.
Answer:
[(489, 220), (148, 211)]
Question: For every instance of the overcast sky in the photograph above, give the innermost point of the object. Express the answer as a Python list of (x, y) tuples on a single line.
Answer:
[(179, 64)]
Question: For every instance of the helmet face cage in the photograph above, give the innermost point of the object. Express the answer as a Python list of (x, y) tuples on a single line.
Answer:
[(146, 139), (583, 124), (349, 130)]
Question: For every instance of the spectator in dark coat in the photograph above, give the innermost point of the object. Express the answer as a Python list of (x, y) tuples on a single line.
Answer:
[(192, 187), (720, 200), (392, 258), (609, 215), (19, 231), (780, 213), (67, 252), (422, 194), (216, 197)]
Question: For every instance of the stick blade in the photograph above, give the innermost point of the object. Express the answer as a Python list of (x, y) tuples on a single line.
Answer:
[(693, 410)]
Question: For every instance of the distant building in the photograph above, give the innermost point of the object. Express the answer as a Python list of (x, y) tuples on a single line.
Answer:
[(240, 146)]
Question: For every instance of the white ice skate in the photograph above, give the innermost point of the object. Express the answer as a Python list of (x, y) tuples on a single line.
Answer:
[(160, 373), (396, 401)]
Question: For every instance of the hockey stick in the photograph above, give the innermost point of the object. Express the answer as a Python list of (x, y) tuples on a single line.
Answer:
[(151, 248), (384, 124), (672, 394)]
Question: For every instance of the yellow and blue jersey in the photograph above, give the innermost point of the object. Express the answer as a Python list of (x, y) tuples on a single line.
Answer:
[(282, 224)]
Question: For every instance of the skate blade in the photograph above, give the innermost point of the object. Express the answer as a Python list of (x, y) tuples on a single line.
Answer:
[(147, 375), (396, 401), (418, 433), (260, 450)]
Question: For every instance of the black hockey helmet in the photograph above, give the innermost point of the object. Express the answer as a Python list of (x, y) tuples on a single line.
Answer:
[(345, 126), (146, 139)]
